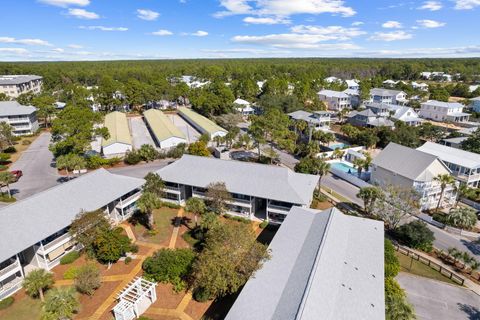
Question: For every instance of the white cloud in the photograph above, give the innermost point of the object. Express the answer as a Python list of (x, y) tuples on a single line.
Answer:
[(466, 4), (266, 20), (330, 32), (430, 23), (66, 3), (284, 8), (103, 28), (18, 51), (82, 14), (146, 14), (357, 23), (60, 50), (199, 33), (431, 5), (75, 46), (162, 32), (391, 36), (29, 42), (392, 25)]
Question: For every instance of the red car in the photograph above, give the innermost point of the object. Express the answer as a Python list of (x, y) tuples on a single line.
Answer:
[(17, 174)]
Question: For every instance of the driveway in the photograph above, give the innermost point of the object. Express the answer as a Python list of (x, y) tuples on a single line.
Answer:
[(37, 164), (191, 134), (140, 133), (436, 300)]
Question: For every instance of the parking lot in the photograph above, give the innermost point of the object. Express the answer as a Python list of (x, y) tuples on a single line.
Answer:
[(437, 300), (140, 133), (191, 134)]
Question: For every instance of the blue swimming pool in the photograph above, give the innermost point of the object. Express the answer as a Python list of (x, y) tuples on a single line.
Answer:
[(338, 146), (344, 167)]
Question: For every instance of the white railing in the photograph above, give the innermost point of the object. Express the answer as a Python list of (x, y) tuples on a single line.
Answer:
[(128, 200), (56, 241), (9, 268), (10, 288)]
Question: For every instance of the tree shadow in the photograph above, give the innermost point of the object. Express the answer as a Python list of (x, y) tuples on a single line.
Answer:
[(139, 218), (473, 246), (472, 312), (219, 308)]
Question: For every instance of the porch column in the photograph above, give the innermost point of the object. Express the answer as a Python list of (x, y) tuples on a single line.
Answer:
[(21, 267)]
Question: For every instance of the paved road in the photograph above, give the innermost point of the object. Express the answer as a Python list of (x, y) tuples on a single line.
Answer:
[(435, 300), (140, 133), (38, 168), (141, 170)]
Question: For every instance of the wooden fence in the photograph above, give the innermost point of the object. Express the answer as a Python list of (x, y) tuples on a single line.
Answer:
[(432, 264)]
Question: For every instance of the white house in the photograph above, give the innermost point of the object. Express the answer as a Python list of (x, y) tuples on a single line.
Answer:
[(408, 168), (120, 138), (14, 85), (318, 120), (332, 79), (164, 132), (419, 86), (443, 111), (34, 230), (243, 107), (395, 112), (382, 95), (324, 265), (22, 119), (389, 83), (335, 100), (354, 96), (258, 191), (465, 166), (352, 84)]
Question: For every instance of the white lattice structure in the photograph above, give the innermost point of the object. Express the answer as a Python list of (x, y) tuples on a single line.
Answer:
[(135, 299)]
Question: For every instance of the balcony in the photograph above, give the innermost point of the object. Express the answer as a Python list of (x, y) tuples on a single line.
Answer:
[(8, 269), (242, 201), (127, 201), (66, 237), (11, 287)]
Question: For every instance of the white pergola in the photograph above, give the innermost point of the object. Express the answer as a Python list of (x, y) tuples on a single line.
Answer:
[(135, 299)]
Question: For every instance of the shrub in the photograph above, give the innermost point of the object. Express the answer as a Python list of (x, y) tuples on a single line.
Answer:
[(416, 235), (392, 265), (95, 162), (87, 279), (464, 218), (113, 161), (128, 260), (71, 273), (133, 248), (201, 295), (70, 257), (147, 152), (10, 149), (7, 302), (4, 158), (132, 157), (264, 224), (178, 151), (227, 216), (26, 142), (167, 265), (4, 197), (170, 205), (3, 167)]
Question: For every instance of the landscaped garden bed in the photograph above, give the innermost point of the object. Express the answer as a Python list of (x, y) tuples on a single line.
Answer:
[(163, 218)]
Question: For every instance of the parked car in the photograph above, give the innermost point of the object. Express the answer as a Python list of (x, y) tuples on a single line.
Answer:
[(17, 174)]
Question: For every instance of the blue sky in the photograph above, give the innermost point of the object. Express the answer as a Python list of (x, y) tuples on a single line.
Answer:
[(153, 29)]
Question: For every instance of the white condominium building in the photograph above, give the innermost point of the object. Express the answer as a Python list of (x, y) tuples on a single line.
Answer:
[(22, 119), (15, 85)]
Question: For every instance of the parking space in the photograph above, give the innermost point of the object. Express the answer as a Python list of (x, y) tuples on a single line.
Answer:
[(437, 300), (191, 134), (140, 133)]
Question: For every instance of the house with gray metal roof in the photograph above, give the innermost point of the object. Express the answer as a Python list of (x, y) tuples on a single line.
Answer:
[(369, 119), (382, 95), (324, 265), (407, 168), (258, 191), (15, 85), (201, 123), (335, 100), (319, 120), (34, 230), (164, 132), (22, 119), (443, 111), (464, 165), (395, 112), (120, 137)]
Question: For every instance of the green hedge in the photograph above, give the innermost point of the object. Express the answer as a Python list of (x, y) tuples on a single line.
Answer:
[(170, 205), (264, 224), (70, 257), (7, 302), (71, 273)]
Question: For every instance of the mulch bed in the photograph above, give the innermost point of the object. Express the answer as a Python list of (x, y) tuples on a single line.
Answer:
[(196, 310), (89, 304), (166, 297)]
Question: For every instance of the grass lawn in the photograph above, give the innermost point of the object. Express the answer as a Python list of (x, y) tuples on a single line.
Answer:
[(24, 309), (420, 269), (163, 226)]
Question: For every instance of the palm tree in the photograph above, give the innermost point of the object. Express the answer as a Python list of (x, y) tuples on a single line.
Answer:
[(322, 169), (457, 255), (461, 190), (37, 281), (146, 204), (367, 161), (359, 164), (467, 259), (451, 251), (444, 180), (474, 265), (154, 184), (61, 303), (196, 206), (369, 195), (6, 178)]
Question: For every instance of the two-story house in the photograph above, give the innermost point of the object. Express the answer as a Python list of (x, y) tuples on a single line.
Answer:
[(352, 84), (464, 165), (443, 111), (335, 100), (382, 95), (318, 120), (395, 113), (15, 85), (369, 119), (408, 168), (22, 119)]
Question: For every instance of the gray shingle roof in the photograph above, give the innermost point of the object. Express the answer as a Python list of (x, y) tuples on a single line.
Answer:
[(13, 108), (384, 92), (442, 104), (333, 93), (324, 265), (17, 79), (453, 155), (404, 161), (259, 180), (28, 221)]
